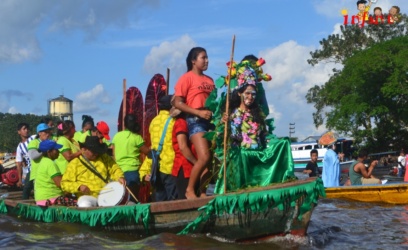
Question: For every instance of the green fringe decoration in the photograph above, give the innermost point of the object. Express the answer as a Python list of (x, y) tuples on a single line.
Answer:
[(3, 207), (259, 201), (95, 217)]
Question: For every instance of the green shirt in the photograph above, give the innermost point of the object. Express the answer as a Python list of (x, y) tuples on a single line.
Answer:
[(355, 178), (127, 150), (78, 135), (66, 146), (45, 187), (83, 136), (88, 133), (34, 144)]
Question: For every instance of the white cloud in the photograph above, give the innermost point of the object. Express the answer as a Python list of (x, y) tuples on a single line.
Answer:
[(13, 110), (92, 100), (169, 55), (274, 113), (292, 78), (20, 20), (285, 63), (337, 29)]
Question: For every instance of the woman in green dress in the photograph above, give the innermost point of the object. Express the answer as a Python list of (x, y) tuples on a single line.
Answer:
[(256, 157)]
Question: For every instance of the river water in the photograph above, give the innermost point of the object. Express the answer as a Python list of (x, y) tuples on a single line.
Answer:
[(335, 224)]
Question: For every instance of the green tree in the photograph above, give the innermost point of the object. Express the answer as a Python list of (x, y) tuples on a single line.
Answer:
[(9, 138), (367, 98)]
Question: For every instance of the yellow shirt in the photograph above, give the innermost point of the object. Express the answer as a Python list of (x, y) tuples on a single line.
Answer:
[(167, 154), (77, 174)]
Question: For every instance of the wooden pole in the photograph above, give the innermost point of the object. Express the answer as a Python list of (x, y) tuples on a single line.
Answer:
[(168, 81), (227, 112), (124, 104)]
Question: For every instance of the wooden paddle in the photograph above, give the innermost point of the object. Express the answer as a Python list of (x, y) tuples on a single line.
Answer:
[(227, 112)]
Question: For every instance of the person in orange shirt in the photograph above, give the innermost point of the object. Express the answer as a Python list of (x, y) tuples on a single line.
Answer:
[(191, 92)]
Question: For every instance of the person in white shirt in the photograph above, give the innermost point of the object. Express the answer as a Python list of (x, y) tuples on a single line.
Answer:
[(23, 161)]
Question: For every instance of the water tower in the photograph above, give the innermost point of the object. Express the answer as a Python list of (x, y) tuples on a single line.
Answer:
[(61, 107)]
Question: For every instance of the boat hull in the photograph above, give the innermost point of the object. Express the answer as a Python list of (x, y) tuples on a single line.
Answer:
[(253, 214), (389, 193)]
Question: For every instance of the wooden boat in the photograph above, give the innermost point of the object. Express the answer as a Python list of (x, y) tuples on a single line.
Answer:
[(301, 152), (393, 193), (252, 214)]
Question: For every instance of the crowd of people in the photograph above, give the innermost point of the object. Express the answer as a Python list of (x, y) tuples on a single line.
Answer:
[(187, 137), (77, 164), (360, 171)]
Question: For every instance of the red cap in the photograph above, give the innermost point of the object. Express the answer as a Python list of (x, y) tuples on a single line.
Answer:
[(104, 129)]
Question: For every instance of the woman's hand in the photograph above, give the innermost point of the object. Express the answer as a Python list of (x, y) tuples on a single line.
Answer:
[(84, 189), (224, 118), (205, 114), (122, 181)]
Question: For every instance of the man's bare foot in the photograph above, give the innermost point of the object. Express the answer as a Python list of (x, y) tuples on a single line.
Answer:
[(203, 195), (190, 195)]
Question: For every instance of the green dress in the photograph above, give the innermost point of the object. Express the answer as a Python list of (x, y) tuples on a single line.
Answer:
[(251, 162), (252, 159)]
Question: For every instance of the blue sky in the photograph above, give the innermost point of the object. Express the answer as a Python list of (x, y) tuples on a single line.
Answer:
[(84, 49)]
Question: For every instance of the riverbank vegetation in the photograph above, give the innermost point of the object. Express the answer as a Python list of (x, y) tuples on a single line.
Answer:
[(366, 97), (9, 138)]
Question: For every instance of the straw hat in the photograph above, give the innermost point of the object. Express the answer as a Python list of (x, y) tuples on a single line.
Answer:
[(328, 138)]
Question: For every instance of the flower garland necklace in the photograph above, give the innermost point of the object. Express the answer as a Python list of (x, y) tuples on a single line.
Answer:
[(244, 130)]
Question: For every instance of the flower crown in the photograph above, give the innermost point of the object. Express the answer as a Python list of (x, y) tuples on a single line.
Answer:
[(246, 72)]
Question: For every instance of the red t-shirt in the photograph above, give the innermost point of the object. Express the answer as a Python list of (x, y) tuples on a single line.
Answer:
[(194, 88), (180, 127)]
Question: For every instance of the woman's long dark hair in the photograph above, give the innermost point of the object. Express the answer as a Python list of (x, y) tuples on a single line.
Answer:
[(131, 124), (192, 55)]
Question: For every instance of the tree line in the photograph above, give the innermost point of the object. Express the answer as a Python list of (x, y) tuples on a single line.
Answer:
[(9, 138), (366, 96)]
